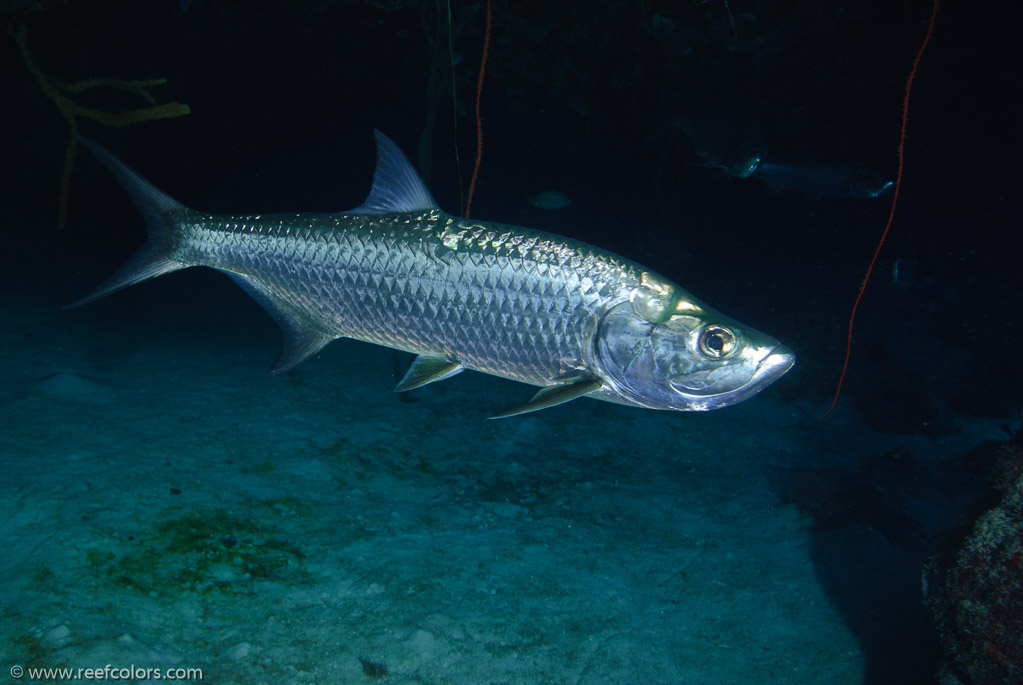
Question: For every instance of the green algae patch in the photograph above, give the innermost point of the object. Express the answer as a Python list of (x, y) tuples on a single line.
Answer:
[(207, 551)]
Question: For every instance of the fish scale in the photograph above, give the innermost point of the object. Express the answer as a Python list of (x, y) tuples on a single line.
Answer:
[(510, 303), (514, 302)]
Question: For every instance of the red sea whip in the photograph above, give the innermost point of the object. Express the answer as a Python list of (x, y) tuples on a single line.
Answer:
[(479, 123), (891, 215)]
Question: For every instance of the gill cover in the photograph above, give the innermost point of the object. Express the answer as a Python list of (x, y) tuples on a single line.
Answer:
[(665, 349)]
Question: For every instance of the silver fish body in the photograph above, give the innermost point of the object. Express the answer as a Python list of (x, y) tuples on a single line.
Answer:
[(463, 294), (499, 299)]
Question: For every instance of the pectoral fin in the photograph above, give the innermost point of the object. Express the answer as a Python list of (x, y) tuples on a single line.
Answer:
[(426, 369), (553, 395)]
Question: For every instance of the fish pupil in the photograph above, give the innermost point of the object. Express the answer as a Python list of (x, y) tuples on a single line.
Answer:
[(717, 342)]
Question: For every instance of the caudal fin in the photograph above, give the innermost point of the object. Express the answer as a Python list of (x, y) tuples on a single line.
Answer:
[(153, 258)]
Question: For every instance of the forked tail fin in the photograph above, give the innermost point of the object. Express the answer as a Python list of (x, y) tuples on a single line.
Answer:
[(152, 259)]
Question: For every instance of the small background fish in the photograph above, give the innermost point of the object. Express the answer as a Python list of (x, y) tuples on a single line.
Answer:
[(550, 199)]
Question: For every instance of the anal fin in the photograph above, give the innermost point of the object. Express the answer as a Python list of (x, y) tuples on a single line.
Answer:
[(426, 369), (551, 396), (301, 339)]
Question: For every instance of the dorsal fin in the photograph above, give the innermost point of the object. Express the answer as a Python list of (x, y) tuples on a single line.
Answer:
[(396, 185)]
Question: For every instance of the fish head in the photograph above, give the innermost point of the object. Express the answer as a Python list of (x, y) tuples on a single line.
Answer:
[(745, 166), (664, 349)]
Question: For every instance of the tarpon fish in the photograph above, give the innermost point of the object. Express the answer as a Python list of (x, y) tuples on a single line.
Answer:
[(822, 181), (460, 294)]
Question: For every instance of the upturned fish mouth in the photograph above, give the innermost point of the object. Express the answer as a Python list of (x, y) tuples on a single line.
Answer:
[(773, 366)]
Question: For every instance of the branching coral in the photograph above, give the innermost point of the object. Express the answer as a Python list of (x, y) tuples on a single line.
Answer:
[(59, 92)]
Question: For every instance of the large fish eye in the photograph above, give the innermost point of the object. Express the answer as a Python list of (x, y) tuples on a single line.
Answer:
[(717, 342)]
